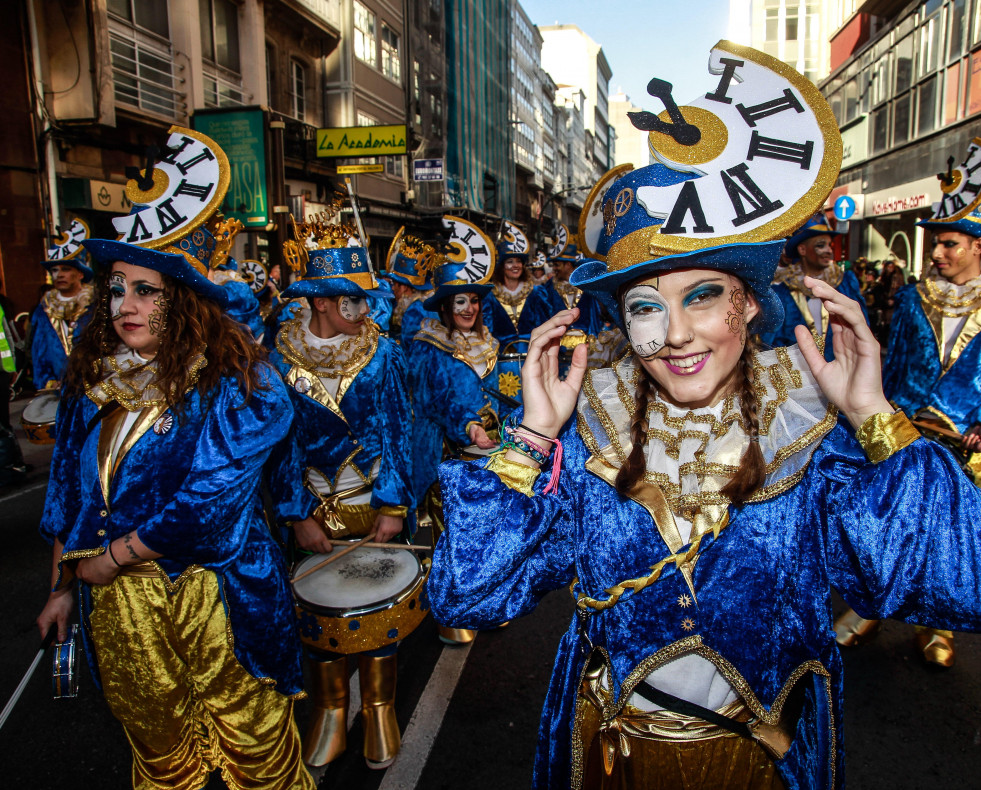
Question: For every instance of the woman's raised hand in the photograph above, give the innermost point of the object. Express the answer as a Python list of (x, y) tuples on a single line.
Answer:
[(548, 400), (853, 380)]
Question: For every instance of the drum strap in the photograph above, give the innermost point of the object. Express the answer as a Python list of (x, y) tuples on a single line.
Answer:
[(100, 415)]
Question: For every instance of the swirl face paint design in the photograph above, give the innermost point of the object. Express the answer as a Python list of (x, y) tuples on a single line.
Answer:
[(352, 308), (737, 298), (461, 303), (646, 315), (156, 322)]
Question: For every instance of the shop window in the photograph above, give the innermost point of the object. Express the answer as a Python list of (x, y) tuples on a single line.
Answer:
[(391, 60), (880, 129), (364, 35), (298, 90), (952, 94), (926, 107), (956, 15), (901, 119), (150, 15), (219, 33)]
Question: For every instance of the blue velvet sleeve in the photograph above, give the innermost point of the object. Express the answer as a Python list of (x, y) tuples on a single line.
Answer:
[(62, 502), (204, 522), (501, 551), (537, 310), (291, 499), (393, 486), (244, 307), (783, 335), (47, 356), (849, 287), (448, 391), (904, 534), (412, 320)]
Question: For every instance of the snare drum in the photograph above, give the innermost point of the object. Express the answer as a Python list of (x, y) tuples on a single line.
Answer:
[(474, 453), (38, 417), (366, 600), (64, 681)]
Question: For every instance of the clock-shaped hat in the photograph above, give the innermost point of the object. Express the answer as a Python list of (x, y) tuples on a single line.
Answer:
[(466, 266), (254, 273), (410, 261), (960, 207), (67, 250), (737, 171), (815, 226), (175, 226), (513, 243), (559, 240)]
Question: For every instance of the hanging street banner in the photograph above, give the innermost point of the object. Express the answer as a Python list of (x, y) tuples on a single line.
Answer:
[(361, 141), (352, 169), (427, 170), (242, 136)]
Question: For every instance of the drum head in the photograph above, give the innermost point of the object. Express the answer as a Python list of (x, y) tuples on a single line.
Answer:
[(42, 408), (366, 578), (473, 451)]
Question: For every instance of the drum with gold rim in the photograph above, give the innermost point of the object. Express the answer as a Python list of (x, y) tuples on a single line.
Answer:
[(64, 681), (38, 417)]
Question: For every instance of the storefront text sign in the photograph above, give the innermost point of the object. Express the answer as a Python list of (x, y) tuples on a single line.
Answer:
[(361, 141), (905, 197)]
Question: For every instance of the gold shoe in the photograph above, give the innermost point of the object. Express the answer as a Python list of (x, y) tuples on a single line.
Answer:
[(382, 739), (852, 630), (455, 636), (326, 736), (937, 646)]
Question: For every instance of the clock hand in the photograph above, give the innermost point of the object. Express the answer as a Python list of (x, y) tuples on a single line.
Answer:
[(144, 178), (948, 177), (679, 129)]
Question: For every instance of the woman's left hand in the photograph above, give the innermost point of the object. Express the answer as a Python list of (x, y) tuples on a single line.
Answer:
[(97, 570), (387, 527), (853, 381), (479, 437)]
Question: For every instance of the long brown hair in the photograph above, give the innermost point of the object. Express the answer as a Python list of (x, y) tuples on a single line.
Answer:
[(752, 466), (193, 322), (498, 275)]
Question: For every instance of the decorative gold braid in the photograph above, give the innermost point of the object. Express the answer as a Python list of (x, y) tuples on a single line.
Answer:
[(566, 291), (939, 293), (122, 385), (344, 360)]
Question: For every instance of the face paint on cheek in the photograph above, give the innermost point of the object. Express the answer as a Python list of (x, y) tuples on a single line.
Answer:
[(156, 322), (646, 317), (117, 292), (734, 319), (352, 309), (461, 304)]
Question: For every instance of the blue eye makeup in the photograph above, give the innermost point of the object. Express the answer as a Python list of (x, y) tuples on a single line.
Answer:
[(117, 290), (703, 293), (642, 306)]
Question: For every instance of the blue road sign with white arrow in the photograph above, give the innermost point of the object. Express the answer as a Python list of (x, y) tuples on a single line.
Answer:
[(844, 208)]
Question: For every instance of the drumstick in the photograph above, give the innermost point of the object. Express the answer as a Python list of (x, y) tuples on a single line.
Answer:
[(934, 428), (404, 546), (335, 555)]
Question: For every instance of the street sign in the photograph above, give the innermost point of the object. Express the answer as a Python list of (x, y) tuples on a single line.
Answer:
[(844, 208), (351, 169), (427, 170), (361, 141)]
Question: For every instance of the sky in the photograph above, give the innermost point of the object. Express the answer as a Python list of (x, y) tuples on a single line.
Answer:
[(642, 39)]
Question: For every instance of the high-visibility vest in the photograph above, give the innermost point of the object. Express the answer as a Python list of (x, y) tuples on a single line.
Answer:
[(6, 350)]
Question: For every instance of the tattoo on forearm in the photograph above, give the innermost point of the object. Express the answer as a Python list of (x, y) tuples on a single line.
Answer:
[(128, 542)]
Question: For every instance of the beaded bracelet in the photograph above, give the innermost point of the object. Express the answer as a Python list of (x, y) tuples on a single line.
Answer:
[(511, 433), (518, 444)]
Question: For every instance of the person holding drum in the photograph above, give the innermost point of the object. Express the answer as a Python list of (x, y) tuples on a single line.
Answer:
[(153, 505), (932, 370), (409, 270), (706, 497), (58, 321), (345, 469), (450, 364)]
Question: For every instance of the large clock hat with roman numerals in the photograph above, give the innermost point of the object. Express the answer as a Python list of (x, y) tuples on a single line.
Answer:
[(467, 264), (175, 226), (513, 243), (738, 170), (959, 209), (67, 250)]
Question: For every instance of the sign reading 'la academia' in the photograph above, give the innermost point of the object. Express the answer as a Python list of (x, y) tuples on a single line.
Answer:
[(361, 141)]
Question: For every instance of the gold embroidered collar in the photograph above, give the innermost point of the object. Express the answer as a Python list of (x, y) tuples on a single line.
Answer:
[(949, 299), (477, 351), (131, 382), (343, 361), (58, 309), (793, 275)]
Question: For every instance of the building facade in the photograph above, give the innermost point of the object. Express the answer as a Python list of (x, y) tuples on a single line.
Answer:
[(631, 143)]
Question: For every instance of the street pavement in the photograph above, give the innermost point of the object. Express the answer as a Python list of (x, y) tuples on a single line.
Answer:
[(469, 715)]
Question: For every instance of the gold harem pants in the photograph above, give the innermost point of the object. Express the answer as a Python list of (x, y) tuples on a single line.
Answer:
[(187, 705)]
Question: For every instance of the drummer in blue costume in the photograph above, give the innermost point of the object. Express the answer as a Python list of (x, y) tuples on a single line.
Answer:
[(810, 254), (512, 285), (706, 497), (409, 269), (932, 370), (57, 322), (153, 507), (451, 362), (345, 468)]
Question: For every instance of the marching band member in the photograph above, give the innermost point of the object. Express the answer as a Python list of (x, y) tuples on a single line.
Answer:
[(809, 254), (169, 413), (65, 310), (705, 498), (243, 305), (345, 468), (539, 268), (450, 363), (932, 370), (503, 307), (409, 269)]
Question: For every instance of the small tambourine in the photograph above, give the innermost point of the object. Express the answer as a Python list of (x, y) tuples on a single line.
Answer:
[(64, 681), (254, 273)]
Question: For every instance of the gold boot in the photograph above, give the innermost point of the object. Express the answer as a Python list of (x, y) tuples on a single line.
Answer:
[(381, 731), (937, 646), (852, 630), (455, 636), (326, 736)]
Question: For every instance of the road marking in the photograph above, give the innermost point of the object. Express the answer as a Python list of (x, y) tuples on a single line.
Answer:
[(423, 727), (33, 487)]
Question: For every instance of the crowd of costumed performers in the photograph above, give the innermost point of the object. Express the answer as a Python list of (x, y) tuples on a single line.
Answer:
[(679, 413)]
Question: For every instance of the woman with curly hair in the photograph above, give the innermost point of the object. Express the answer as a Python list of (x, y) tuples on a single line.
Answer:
[(155, 518)]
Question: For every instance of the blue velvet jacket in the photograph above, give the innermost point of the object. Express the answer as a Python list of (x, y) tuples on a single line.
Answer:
[(412, 319), (901, 540), (49, 351), (189, 485), (500, 319), (369, 420), (545, 301), (793, 315), (446, 398), (913, 376), (244, 307)]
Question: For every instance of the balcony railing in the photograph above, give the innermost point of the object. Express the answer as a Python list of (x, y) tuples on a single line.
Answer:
[(143, 76), (221, 90)]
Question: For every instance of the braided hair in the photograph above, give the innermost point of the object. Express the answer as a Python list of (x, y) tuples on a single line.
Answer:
[(636, 464), (752, 466)]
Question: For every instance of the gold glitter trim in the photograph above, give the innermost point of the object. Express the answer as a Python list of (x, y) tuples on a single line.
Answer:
[(593, 205), (67, 311), (714, 139), (569, 294), (514, 475), (513, 304), (457, 345), (343, 362), (882, 435), (134, 388)]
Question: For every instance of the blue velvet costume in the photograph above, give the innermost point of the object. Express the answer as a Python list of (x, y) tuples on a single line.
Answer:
[(244, 307), (446, 398), (913, 375), (793, 317), (369, 421), (545, 301), (190, 487), (412, 317), (760, 603), (49, 353), (497, 317)]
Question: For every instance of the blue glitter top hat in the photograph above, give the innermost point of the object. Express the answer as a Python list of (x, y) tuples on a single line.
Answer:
[(959, 210), (410, 261), (815, 226)]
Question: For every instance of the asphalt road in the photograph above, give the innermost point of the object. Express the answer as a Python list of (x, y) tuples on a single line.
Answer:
[(469, 715)]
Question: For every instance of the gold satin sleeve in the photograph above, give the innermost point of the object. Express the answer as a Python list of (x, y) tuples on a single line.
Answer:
[(399, 512), (514, 475), (882, 435)]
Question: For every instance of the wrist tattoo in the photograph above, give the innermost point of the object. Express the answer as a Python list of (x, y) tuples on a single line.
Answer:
[(128, 542)]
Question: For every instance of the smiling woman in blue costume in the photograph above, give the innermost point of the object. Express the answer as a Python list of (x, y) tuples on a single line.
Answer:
[(691, 511), (512, 285), (153, 507)]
